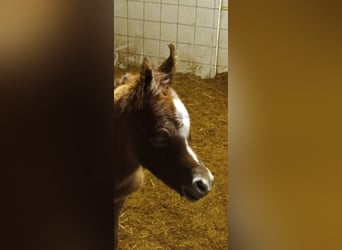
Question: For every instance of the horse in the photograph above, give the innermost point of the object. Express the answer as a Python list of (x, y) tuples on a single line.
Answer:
[(152, 131)]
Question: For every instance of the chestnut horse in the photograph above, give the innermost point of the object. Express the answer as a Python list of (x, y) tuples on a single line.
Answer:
[(152, 130)]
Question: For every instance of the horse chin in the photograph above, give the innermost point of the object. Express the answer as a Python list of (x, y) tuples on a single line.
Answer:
[(188, 195)]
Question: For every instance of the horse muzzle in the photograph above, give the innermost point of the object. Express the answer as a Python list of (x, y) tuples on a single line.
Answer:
[(200, 186)]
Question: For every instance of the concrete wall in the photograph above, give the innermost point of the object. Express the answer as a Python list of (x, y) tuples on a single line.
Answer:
[(145, 27)]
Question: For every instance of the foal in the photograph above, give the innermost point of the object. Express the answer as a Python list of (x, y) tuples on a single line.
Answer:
[(152, 129)]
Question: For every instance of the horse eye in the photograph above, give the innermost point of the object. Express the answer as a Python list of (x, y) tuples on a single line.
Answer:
[(160, 139)]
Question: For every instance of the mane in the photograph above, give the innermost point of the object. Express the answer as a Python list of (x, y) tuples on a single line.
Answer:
[(124, 95), (130, 90)]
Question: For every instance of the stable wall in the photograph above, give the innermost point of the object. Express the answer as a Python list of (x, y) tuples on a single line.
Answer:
[(146, 27)]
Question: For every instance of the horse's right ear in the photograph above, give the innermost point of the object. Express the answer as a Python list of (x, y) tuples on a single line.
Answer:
[(168, 67)]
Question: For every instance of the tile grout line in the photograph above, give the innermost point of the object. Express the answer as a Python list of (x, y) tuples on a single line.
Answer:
[(160, 16)]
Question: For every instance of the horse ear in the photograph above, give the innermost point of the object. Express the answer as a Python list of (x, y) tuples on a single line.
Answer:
[(144, 83), (169, 65), (146, 75)]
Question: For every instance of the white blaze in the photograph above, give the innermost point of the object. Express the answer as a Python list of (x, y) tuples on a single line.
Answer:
[(184, 130)]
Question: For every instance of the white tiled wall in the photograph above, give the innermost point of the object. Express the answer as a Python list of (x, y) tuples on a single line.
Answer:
[(146, 27)]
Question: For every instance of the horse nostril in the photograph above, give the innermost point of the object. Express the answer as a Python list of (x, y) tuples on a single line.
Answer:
[(201, 186)]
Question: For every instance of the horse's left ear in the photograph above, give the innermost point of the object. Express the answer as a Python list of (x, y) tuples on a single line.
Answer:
[(168, 67), (146, 75)]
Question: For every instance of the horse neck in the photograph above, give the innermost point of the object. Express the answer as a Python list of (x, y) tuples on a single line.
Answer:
[(125, 157)]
